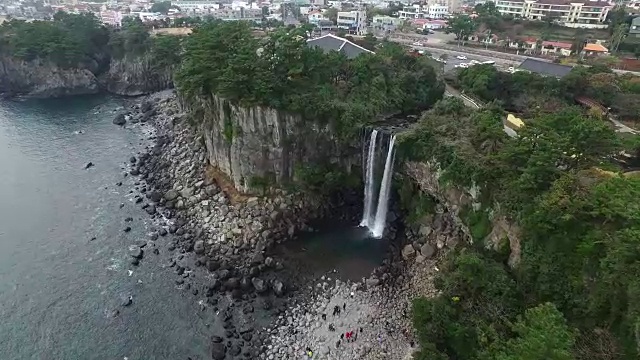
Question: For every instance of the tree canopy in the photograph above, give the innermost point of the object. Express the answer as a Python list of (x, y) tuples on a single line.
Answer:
[(283, 72), (570, 295), (69, 40)]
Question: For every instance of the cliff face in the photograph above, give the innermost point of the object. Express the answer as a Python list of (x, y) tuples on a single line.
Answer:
[(44, 80), (458, 202), (133, 76), (249, 142)]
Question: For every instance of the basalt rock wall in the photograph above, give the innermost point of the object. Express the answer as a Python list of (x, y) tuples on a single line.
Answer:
[(40, 79), (134, 76), (450, 224), (246, 143)]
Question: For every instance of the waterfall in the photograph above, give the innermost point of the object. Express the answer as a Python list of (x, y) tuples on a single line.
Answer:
[(367, 214), (383, 198)]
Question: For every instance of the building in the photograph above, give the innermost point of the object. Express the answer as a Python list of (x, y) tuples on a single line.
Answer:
[(315, 17), (238, 14), (354, 22), (330, 43), (195, 5), (437, 11), (585, 14), (385, 23), (545, 68), (111, 17), (454, 6), (555, 48), (424, 11), (634, 30), (595, 49)]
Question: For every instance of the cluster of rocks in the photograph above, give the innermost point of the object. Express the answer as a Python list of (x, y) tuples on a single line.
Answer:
[(380, 316), (228, 239)]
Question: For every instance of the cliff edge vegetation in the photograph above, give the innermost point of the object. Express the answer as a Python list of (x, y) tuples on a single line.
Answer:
[(75, 54), (281, 72), (572, 293)]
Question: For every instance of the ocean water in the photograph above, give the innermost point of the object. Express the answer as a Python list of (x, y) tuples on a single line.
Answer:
[(58, 287)]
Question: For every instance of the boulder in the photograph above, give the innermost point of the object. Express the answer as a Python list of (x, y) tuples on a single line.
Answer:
[(218, 351), (427, 250), (198, 247), (278, 288), (119, 120), (171, 195), (408, 252), (259, 285)]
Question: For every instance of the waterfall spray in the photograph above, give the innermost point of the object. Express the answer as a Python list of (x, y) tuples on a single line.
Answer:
[(369, 181), (383, 198)]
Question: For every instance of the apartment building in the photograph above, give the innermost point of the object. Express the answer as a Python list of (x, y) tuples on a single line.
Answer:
[(385, 23), (570, 13), (111, 17), (195, 5), (354, 22), (424, 11)]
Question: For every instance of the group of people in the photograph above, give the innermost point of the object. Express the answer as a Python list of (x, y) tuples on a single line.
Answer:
[(351, 336)]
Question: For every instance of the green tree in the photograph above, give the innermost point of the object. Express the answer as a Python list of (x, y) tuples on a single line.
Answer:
[(331, 14), (462, 26), (161, 7), (542, 334)]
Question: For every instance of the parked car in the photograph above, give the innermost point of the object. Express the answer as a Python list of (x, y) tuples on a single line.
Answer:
[(461, 57), (489, 62), (474, 62), (418, 43)]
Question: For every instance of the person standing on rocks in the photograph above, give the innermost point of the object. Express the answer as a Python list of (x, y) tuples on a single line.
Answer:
[(309, 353), (344, 306), (324, 317)]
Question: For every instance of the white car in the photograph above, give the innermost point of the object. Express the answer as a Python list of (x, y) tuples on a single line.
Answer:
[(461, 57), (474, 62), (417, 43), (463, 65)]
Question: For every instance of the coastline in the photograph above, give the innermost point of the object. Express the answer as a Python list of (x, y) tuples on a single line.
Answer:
[(222, 252)]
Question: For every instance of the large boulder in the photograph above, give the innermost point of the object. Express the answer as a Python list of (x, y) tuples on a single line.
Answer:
[(408, 252), (171, 195), (427, 250), (259, 285), (218, 351), (119, 120)]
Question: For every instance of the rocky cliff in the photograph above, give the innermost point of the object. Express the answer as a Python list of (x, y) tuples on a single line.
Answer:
[(463, 213), (246, 143), (133, 76), (43, 80)]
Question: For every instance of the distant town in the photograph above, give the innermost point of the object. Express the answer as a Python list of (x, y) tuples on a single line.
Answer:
[(560, 30)]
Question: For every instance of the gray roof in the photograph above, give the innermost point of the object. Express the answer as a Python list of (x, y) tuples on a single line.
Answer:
[(545, 68), (334, 43), (635, 25)]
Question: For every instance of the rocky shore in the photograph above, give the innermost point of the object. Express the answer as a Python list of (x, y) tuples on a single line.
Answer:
[(221, 244)]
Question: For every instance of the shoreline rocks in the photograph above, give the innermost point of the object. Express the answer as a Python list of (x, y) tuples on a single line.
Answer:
[(221, 250)]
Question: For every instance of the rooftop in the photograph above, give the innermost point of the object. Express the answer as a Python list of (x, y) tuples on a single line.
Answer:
[(334, 43), (545, 68), (595, 47)]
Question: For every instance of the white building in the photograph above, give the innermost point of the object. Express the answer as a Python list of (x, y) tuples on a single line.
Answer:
[(111, 17), (195, 5), (354, 22), (385, 23), (570, 13), (315, 17), (424, 11), (437, 11)]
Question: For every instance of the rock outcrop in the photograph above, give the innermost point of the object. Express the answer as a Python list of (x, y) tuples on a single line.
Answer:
[(134, 76), (447, 224), (249, 142), (44, 80)]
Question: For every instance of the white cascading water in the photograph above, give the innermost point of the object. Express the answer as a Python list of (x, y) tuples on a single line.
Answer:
[(383, 199), (367, 214)]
